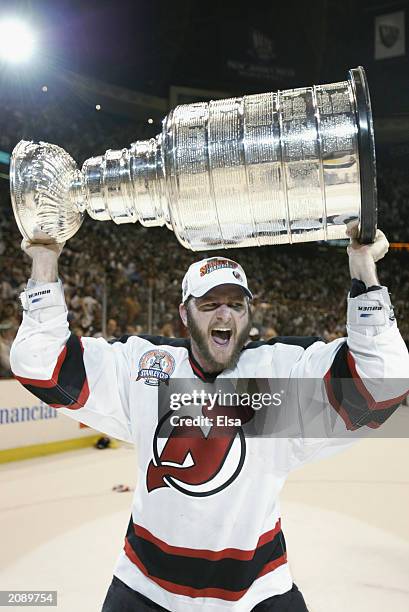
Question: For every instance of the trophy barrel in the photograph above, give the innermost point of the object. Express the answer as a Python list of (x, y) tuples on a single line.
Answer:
[(274, 168), (43, 181)]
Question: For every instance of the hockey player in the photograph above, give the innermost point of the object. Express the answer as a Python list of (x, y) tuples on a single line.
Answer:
[(205, 531)]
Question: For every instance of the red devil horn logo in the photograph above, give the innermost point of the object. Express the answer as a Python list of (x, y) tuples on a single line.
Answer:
[(191, 457)]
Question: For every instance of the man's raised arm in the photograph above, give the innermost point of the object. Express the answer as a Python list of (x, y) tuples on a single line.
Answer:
[(366, 375), (85, 378)]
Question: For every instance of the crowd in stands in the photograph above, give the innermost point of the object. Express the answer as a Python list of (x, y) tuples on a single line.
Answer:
[(130, 277), (393, 188), (62, 119)]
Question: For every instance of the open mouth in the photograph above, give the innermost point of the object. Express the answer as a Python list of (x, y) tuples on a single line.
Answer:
[(221, 336)]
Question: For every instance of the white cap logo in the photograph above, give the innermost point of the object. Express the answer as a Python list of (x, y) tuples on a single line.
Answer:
[(209, 273)]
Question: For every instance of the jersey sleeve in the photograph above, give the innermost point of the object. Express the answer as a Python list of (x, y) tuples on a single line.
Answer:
[(84, 378), (352, 385)]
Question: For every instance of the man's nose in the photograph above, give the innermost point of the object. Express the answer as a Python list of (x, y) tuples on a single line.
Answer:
[(223, 313)]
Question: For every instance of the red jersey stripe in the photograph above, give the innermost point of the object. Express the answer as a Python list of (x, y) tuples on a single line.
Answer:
[(372, 403), (51, 382), (211, 555), (179, 589), (196, 370)]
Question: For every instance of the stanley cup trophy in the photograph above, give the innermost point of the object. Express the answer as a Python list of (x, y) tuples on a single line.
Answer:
[(272, 168)]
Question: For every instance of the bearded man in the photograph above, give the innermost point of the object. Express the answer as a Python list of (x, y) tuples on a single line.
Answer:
[(205, 530)]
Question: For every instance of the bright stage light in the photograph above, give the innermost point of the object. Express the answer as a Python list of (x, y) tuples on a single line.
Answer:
[(17, 41)]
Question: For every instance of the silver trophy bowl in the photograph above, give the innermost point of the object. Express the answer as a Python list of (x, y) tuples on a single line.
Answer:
[(273, 168)]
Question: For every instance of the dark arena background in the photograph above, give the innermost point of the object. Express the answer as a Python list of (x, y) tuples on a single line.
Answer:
[(103, 74)]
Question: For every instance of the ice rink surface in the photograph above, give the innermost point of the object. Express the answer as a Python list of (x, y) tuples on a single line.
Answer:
[(345, 519)]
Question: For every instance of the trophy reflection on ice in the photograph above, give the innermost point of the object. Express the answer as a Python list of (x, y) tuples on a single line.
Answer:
[(272, 168)]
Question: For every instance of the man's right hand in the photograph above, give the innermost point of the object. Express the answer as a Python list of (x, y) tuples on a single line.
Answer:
[(45, 259), (40, 249)]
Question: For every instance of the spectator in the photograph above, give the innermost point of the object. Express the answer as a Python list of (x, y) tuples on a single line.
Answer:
[(112, 329), (254, 334)]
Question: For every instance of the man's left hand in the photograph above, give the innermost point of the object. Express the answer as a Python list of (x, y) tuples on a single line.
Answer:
[(362, 257)]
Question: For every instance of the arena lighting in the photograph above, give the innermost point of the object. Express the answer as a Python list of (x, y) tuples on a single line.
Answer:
[(17, 40), (150, 120), (98, 106), (44, 88), (399, 246)]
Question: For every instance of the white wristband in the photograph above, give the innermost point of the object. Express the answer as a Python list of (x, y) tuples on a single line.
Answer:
[(43, 296), (371, 308)]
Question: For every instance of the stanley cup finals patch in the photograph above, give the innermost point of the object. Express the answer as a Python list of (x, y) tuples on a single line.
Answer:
[(156, 366)]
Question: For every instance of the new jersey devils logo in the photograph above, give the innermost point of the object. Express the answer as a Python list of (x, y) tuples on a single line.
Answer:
[(197, 462)]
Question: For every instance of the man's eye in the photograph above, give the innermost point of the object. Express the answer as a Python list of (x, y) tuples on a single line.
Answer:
[(213, 305)]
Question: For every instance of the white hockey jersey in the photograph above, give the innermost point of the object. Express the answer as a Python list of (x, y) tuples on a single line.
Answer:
[(205, 531)]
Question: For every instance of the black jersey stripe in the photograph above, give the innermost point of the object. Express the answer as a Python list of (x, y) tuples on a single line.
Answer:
[(162, 341), (350, 398), (303, 341), (212, 555), (156, 340), (195, 572), (68, 385)]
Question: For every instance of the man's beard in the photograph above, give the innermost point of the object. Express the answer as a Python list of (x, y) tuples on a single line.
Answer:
[(202, 343)]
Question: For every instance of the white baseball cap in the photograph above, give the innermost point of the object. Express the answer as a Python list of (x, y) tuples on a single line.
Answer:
[(212, 272)]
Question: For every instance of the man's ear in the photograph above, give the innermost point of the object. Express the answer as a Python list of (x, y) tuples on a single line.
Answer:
[(183, 314)]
